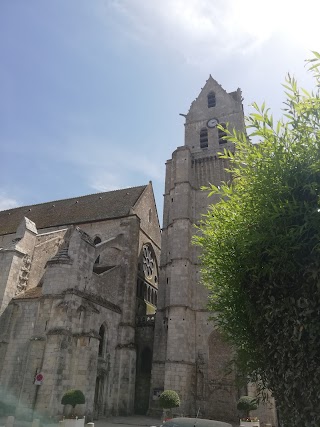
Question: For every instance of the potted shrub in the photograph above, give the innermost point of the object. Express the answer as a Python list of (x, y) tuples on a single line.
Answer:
[(245, 405), (168, 400), (73, 397)]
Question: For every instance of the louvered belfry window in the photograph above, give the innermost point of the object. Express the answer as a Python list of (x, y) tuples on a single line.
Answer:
[(204, 138), (211, 99)]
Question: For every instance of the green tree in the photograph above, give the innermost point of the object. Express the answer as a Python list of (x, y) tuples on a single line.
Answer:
[(261, 252)]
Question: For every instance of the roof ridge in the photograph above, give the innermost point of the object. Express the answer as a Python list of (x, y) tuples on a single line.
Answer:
[(75, 198)]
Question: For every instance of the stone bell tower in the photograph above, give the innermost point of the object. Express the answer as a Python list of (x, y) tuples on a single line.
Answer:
[(189, 355)]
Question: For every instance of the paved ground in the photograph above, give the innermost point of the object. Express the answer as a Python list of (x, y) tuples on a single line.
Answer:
[(135, 420)]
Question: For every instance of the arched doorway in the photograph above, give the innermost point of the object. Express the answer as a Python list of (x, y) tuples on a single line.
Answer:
[(100, 400), (143, 377)]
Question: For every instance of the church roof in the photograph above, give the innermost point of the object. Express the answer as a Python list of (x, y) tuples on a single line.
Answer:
[(78, 210)]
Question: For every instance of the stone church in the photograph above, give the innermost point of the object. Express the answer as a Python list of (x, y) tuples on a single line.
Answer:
[(81, 280), (78, 291)]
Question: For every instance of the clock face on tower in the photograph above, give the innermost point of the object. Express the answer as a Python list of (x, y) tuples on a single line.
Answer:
[(211, 123)]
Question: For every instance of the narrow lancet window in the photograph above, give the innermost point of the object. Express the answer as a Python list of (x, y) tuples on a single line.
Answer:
[(96, 241), (211, 99), (204, 138), (102, 332)]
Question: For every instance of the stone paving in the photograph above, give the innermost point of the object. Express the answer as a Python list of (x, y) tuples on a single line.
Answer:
[(134, 420)]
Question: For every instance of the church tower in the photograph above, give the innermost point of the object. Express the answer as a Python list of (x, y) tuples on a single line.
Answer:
[(189, 355)]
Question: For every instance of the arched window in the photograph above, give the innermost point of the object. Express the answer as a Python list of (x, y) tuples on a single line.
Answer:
[(102, 335), (211, 99), (221, 134), (96, 241), (204, 138), (149, 294)]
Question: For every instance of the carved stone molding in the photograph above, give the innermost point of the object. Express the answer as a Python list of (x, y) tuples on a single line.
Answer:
[(24, 274)]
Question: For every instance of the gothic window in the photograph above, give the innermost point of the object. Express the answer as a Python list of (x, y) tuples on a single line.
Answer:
[(147, 275), (102, 333), (204, 138), (148, 261), (221, 134), (211, 99), (96, 241)]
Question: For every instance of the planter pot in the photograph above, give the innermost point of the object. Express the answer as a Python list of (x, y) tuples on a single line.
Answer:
[(249, 423), (73, 423)]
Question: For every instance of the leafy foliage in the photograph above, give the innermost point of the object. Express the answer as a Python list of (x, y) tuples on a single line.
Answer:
[(73, 397), (247, 404), (261, 252), (169, 399)]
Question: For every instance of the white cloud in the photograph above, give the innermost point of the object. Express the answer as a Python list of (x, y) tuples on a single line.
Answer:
[(7, 202), (104, 181), (108, 166), (200, 28)]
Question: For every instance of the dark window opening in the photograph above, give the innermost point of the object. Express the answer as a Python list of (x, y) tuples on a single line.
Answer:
[(102, 332), (211, 99), (96, 241), (204, 138), (221, 134)]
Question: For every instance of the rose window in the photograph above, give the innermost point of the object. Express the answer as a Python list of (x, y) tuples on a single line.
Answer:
[(148, 261)]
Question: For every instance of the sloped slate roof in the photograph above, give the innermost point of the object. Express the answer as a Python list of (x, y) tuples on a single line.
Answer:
[(94, 207)]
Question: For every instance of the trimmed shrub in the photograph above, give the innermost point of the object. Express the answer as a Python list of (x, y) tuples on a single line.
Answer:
[(247, 404), (169, 399), (73, 397)]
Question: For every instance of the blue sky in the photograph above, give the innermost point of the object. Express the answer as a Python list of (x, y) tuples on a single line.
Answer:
[(91, 91)]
